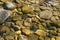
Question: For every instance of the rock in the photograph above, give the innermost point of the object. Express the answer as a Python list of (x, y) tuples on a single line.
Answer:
[(15, 18), (40, 33), (54, 3), (53, 32), (57, 37), (41, 38), (53, 19), (5, 29), (10, 5), (26, 31), (46, 14), (19, 23), (9, 38), (27, 8), (32, 37), (18, 32), (56, 13), (27, 24), (36, 8), (52, 38), (49, 35), (3, 15), (16, 27), (41, 27)]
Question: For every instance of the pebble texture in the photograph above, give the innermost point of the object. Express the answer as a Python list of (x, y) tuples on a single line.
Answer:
[(29, 19)]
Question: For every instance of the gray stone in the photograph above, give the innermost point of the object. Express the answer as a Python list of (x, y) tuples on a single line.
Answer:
[(46, 14), (3, 15)]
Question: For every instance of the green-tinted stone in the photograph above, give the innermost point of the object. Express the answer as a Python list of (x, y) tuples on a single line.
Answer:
[(27, 9)]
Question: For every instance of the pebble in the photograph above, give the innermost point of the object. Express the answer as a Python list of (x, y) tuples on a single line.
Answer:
[(27, 24), (9, 38), (27, 8), (10, 5), (40, 33), (26, 31), (5, 29), (18, 32), (46, 14)]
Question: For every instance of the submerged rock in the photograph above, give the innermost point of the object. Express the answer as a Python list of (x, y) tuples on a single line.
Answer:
[(41, 33), (46, 14), (26, 31), (27, 8), (3, 15), (10, 5)]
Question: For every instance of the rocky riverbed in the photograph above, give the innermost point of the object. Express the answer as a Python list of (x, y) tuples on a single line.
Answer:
[(29, 19)]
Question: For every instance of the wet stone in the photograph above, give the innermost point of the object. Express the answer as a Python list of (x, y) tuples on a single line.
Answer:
[(3, 15), (41, 33), (4, 29), (9, 38), (26, 31), (30, 19), (32, 37), (10, 5), (46, 14), (27, 8), (58, 38)]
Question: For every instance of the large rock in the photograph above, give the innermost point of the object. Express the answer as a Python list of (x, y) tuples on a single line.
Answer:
[(3, 15)]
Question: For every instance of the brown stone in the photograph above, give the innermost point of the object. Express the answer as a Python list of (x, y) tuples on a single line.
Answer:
[(9, 38), (41, 33), (58, 38), (26, 31)]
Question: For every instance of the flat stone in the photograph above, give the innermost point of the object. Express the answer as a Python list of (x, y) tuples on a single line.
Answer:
[(27, 9), (41, 33), (46, 14), (26, 31), (3, 15)]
